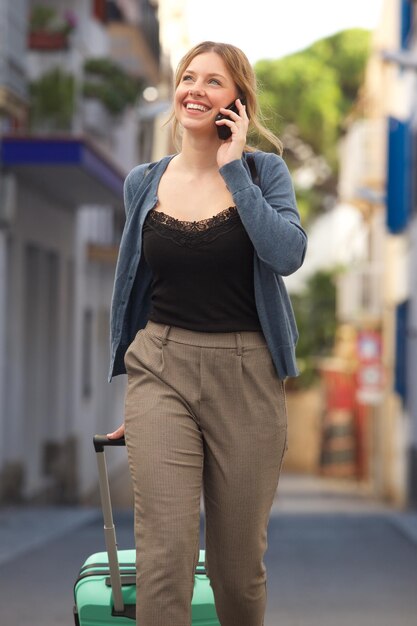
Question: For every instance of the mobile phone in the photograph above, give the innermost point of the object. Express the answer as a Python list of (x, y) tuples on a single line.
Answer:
[(224, 131)]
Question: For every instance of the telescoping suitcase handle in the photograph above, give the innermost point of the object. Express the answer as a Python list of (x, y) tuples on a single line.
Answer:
[(100, 441)]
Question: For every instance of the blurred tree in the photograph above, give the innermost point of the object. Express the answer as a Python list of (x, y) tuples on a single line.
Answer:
[(302, 91), (316, 87), (315, 312), (305, 98), (346, 52)]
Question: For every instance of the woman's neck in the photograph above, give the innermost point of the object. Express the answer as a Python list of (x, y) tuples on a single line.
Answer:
[(198, 154)]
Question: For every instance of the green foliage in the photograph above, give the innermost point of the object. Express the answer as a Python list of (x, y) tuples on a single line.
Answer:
[(315, 312), (305, 98), (309, 203), (305, 94), (108, 82), (313, 90), (346, 52), (52, 101), (46, 18), (53, 95), (41, 16)]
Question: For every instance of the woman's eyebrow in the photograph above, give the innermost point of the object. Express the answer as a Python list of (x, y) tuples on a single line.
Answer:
[(211, 74)]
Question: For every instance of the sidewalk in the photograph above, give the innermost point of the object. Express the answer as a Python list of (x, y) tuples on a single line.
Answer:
[(24, 528), (305, 493), (308, 494)]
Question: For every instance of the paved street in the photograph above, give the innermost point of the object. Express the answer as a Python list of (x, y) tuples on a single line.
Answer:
[(335, 558)]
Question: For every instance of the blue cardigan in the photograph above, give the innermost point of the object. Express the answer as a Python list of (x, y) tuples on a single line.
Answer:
[(272, 222)]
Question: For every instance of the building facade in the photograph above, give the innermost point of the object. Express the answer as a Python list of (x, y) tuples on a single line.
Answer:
[(377, 295), (66, 145)]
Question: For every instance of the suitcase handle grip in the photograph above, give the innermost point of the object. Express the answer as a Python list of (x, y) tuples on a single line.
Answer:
[(102, 440)]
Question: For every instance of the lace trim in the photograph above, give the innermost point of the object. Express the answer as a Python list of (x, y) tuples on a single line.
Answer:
[(199, 225), (187, 233)]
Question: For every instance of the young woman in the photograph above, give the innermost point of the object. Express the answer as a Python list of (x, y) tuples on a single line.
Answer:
[(203, 326)]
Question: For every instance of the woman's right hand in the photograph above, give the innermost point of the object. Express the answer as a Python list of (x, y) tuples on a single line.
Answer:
[(117, 434)]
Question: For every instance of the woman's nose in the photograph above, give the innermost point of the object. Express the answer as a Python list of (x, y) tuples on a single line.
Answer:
[(196, 90)]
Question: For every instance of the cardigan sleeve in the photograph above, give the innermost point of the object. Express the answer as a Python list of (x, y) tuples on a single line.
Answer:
[(269, 215)]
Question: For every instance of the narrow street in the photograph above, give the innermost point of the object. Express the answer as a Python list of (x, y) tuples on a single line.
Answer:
[(335, 558), (128, 195)]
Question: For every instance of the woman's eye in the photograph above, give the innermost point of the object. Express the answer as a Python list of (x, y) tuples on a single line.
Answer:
[(214, 80), (186, 77)]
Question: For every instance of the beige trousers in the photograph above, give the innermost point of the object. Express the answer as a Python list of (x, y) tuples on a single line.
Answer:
[(204, 413)]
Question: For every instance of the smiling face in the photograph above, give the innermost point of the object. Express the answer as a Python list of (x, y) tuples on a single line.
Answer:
[(204, 87)]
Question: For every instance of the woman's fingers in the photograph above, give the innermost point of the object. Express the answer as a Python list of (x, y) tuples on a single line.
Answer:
[(117, 434), (238, 123), (232, 116)]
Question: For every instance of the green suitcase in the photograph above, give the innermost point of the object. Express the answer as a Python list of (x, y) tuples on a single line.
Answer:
[(105, 589)]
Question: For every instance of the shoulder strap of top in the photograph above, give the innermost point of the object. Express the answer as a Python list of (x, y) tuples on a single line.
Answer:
[(250, 159), (148, 169)]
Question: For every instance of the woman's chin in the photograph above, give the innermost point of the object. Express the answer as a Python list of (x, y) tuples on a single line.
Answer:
[(194, 130)]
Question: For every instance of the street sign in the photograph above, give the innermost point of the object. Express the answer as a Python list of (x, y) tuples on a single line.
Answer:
[(370, 375)]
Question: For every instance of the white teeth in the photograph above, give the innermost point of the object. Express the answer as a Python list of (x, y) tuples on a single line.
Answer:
[(199, 107)]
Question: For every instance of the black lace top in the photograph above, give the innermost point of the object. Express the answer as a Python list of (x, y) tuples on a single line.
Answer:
[(202, 272)]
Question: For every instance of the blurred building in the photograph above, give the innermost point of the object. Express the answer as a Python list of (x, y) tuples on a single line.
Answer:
[(175, 37), (377, 294), (80, 90)]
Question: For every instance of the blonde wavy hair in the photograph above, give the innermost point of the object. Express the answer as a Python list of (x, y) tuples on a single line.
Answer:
[(240, 68)]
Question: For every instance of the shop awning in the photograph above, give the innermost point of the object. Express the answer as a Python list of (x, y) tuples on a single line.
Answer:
[(69, 170)]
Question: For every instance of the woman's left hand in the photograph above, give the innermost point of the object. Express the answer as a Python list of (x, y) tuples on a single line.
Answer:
[(232, 148), (118, 433)]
